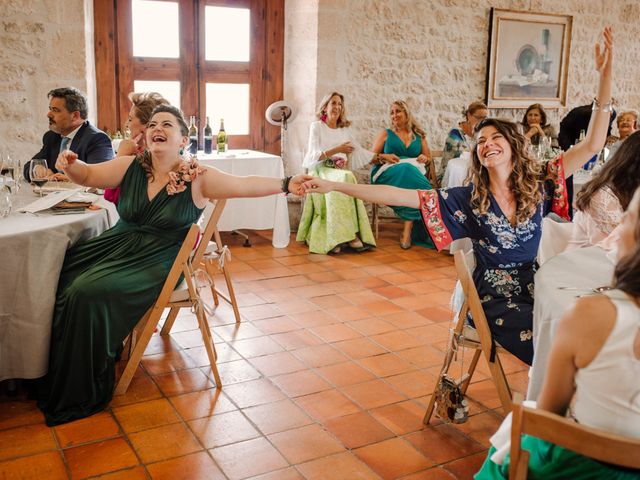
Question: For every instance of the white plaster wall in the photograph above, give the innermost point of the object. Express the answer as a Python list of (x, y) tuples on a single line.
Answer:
[(44, 44), (433, 53)]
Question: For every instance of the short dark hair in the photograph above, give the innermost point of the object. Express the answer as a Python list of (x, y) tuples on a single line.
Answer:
[(74, 100), (176, 112)]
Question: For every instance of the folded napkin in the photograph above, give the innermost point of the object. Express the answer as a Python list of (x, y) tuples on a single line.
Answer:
[(501, 440)]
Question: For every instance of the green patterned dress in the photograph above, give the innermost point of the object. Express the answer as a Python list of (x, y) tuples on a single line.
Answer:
[(105, 287)]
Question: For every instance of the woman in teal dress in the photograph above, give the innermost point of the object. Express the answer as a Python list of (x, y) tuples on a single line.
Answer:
[(404, 140), (108, 283)]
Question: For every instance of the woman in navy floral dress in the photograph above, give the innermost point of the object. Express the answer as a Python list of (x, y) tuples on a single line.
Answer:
[(501, 210)]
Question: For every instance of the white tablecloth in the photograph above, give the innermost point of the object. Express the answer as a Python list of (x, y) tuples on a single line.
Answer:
[(582, 267), (33, 250), (253, 213)]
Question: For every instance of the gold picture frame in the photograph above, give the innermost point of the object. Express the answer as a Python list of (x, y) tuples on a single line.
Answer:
[(528, 59)]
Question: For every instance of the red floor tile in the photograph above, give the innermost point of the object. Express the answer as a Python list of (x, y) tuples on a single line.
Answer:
[(164, 442), (342, 466), (19, 413), (47, 465), (357, 430), (196, 466), (443, 443), (347, 373), (277, 416), (328, 404), (305, 443), (27, 440), (393, 458), (255, 392), (372, 394), (223, 429), (96, 427), (250, 458), (301, 383), (145, 415), (98, 458)]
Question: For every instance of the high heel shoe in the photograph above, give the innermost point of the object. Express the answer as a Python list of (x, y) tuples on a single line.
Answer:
[(405, 245)]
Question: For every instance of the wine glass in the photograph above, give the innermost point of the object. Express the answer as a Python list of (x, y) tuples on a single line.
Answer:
[(5, 203), (39, 172)]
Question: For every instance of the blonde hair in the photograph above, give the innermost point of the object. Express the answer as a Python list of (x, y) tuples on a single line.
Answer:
[(321, 114), (413, 125), (524, 180)]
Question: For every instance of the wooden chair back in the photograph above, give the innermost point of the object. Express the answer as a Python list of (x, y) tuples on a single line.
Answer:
[(590, 442), (189, 258)]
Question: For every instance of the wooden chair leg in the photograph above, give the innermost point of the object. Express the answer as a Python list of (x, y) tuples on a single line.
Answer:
[(500, 381), (472, 369), (443, 370), (232, 294), (140, 346), (168, 323), (208, 266), (209, 346)]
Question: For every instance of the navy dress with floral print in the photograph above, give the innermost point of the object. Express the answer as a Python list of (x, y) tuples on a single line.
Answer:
[(505, 255)]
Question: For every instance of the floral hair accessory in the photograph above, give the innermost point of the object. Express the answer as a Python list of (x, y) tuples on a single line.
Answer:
[(188, 171), (323, 117), (336, 162)]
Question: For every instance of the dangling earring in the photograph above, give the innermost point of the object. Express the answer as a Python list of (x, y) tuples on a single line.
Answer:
[(181, 151)]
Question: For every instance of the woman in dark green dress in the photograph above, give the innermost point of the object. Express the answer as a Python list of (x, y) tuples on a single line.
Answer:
[(108, 283), (405, 140)]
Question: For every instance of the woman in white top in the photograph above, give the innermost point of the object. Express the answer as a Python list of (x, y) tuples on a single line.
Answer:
[(603, 199), (333, 221), (595, 360)]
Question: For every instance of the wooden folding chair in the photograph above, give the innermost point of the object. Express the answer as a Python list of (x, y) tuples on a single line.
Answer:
[(215, 257), (590, 442), (478, 338), (185, 295)]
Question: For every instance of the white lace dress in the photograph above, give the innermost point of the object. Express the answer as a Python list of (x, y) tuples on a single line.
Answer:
[(596, 224)]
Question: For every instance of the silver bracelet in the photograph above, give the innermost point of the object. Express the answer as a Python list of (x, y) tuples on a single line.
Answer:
[(606, 108)]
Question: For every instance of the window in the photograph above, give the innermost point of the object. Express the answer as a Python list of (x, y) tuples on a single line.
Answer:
[(212, 58)]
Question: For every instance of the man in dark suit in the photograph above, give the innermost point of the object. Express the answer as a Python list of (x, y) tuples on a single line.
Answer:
[(70, 129)]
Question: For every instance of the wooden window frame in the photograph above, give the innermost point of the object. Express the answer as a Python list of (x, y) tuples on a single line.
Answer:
[(116, 68)]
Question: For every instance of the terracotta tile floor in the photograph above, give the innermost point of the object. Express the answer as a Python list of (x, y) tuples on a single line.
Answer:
[(327, 377)]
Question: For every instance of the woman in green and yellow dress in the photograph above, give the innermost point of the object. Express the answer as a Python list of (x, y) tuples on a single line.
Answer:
[(334, 221)]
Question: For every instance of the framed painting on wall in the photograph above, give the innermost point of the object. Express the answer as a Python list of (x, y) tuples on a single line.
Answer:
[(528, 59)]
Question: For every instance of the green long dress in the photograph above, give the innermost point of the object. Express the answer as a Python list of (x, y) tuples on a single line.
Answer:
[(404, 175), (333, 218), (105, 287), (551, 462)]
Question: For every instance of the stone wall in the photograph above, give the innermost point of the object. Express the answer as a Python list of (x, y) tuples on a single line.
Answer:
[(433, 54), (45, 44)]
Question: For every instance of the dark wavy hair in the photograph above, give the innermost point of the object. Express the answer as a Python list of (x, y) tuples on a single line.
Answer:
[(543, 115), (145, 158), (621, 174), (525, 175), (626, 275)]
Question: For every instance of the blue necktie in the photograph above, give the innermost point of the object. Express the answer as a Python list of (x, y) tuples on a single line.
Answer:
[(65, 143)]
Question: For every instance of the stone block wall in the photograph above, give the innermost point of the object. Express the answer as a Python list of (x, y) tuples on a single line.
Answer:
[(44, 44), (433, 54)]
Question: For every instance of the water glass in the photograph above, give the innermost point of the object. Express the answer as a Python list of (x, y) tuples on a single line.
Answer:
[(5, 203)]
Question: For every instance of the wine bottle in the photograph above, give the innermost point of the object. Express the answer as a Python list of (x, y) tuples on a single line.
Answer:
[(221, 141), (208, 138), (193, 136)]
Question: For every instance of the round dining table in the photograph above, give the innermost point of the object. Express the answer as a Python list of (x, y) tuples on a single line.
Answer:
[(557, 284), (33, 248)]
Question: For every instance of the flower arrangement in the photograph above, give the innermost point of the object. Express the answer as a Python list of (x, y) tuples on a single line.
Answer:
[(188, 171), (335, 162)]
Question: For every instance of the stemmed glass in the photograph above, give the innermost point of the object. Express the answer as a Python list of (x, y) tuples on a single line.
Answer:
[(39, 172)]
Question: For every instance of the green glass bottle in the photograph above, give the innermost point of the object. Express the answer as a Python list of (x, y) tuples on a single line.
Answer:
[(221, 141)]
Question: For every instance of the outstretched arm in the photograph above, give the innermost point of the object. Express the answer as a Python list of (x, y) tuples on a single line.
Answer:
[(214, 184), (577, 156), (383, 194), (100, 175)]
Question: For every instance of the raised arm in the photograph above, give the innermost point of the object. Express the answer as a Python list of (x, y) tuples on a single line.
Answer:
[(384, 194), (100, 175), (596, 136)]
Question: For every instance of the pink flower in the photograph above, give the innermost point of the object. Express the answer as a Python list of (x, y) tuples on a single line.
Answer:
[(188, 171), (339, 162)]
